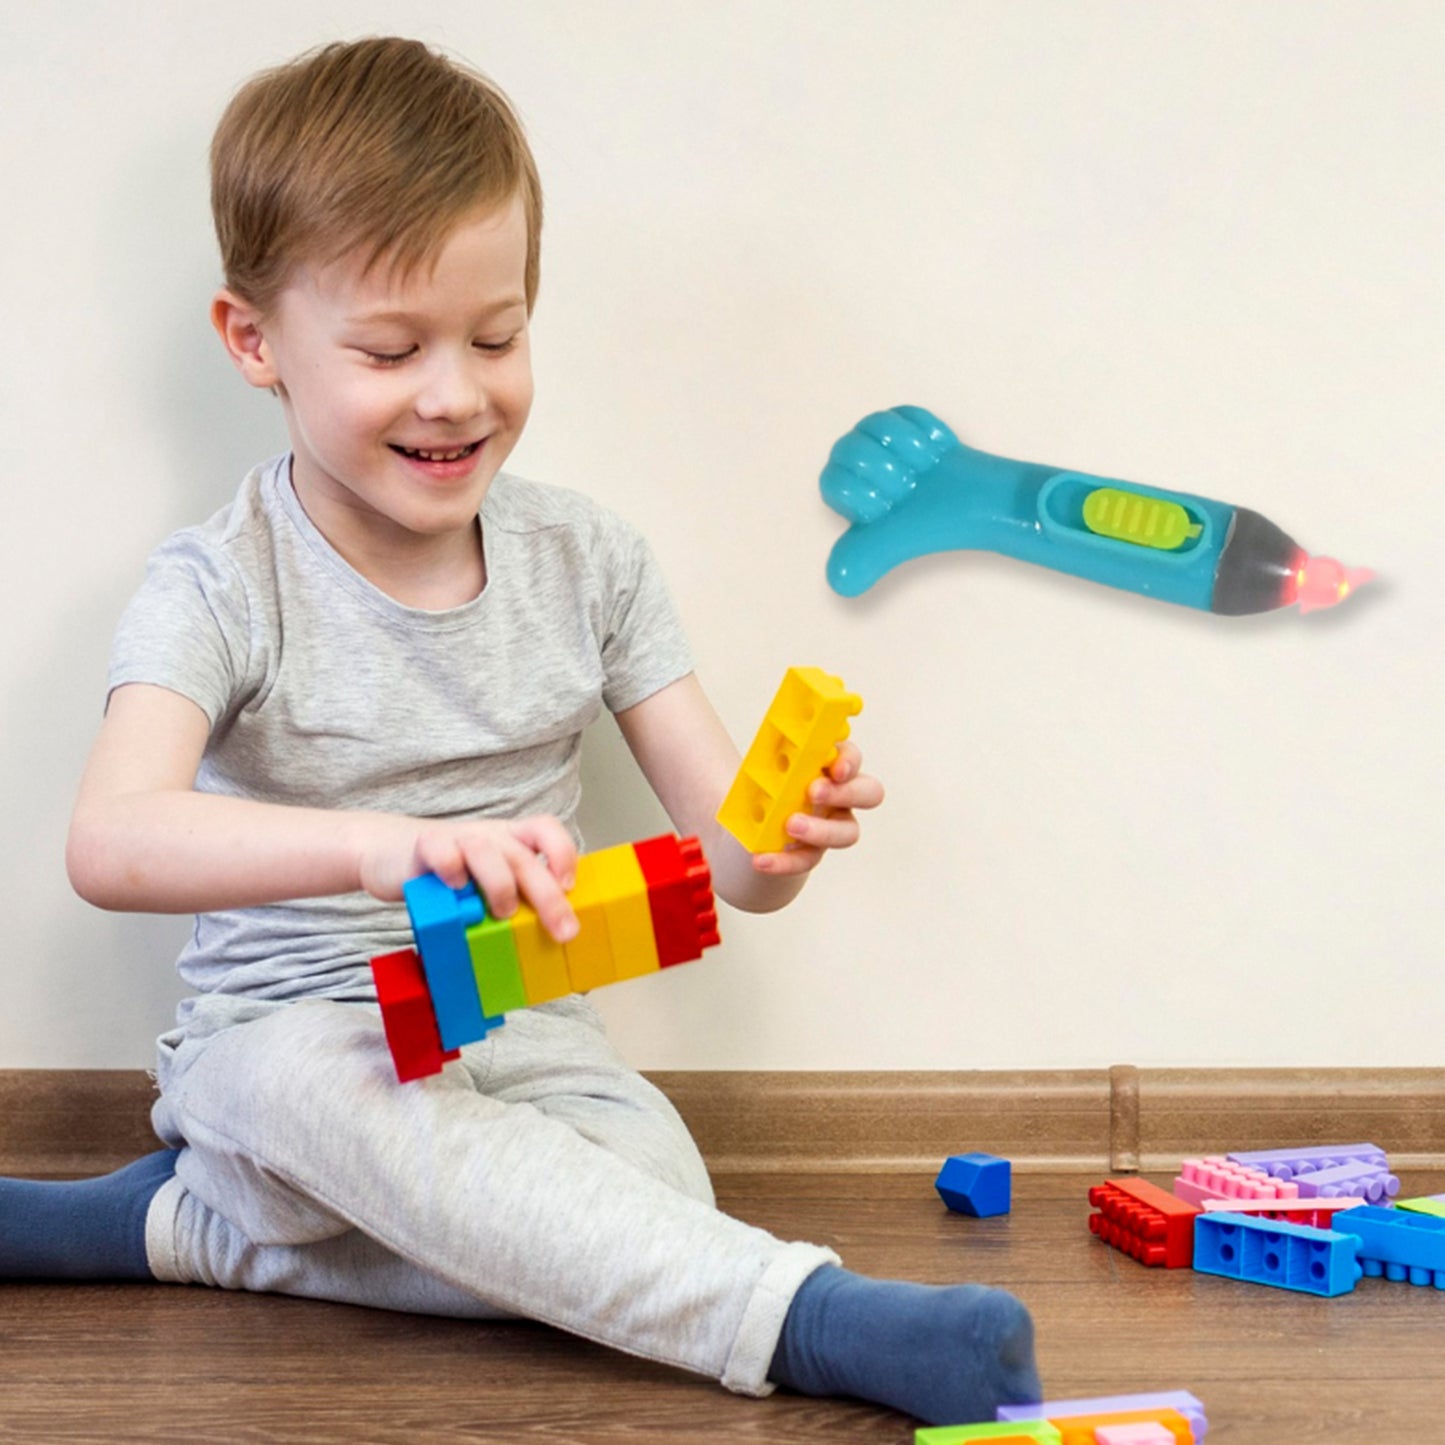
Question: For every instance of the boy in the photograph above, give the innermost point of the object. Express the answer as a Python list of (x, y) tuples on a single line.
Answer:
[(377, 661)]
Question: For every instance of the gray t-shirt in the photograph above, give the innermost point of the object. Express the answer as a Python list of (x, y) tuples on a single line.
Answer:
[(325, 692)]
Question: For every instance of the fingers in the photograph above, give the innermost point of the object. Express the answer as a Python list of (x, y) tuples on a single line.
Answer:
[(534, 859), (546, 835), (832, 823), (844, 785)]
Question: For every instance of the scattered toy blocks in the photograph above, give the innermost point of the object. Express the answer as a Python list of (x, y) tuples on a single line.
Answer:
[(798, 738), (640, 906), (1189, 1406), (1397, 1244), (975, 1184), (1144, 1221), (1287, 1256), (1022, 1432)]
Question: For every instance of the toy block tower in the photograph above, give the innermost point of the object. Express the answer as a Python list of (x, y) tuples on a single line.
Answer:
[(641, 907)]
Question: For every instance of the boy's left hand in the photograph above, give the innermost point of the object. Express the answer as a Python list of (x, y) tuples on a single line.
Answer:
[(834, 797)]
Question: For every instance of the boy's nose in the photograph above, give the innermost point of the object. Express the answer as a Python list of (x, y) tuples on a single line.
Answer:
[(452, 390)]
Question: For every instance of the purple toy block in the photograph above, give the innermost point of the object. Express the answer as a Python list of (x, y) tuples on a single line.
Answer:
[(1289, 1163), (1376, 1184), (1188, 1405), (976, 1184)]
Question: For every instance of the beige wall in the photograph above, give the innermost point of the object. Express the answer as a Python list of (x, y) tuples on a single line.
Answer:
[(1192, 244)]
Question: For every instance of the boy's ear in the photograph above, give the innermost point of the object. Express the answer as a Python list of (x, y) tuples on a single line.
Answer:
[(238, 324)]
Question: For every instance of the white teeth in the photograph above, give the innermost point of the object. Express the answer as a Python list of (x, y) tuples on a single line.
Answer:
[(440, 456)]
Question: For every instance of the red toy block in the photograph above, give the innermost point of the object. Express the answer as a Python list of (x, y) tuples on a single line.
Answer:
[(1144, 1221), (679, 893), (408, 1016)]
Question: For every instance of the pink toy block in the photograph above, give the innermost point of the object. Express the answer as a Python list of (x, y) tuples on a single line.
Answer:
[(1215, 1177), (1317, 1213), (1147, 1432)]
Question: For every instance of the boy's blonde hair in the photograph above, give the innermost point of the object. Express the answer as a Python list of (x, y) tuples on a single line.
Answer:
[(380, 144)]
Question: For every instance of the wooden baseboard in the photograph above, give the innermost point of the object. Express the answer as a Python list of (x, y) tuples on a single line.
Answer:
[(68, 1122)]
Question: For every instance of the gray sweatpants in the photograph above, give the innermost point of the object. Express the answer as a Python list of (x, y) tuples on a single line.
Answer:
[(538, 1176)]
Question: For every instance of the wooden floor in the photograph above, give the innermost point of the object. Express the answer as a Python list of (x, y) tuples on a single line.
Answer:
[(166, 1363)]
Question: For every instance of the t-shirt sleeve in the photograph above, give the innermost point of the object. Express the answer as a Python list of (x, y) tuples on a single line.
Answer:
[(187, 627), (643, 645)]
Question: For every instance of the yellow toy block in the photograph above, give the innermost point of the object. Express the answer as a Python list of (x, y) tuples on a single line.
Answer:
[(589, 955), (798, 738), (619, 879), (542, 959)]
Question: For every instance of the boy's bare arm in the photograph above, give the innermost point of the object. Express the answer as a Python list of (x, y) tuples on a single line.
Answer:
[(687, 756), (141, 837)]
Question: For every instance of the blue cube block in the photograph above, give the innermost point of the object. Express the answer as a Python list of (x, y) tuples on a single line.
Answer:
[(976, 1184)]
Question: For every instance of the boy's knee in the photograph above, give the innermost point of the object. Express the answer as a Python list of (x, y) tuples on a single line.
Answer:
[(249, 1109)]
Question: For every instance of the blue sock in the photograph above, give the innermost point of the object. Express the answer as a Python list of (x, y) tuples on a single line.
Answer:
[(81, 1229), (948, 1355)]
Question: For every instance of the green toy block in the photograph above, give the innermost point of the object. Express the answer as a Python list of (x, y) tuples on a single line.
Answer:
[(498, 969), (1011, 1432), (1429, 1204)]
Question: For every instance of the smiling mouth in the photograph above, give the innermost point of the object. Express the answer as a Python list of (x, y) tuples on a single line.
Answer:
[(431, 455)]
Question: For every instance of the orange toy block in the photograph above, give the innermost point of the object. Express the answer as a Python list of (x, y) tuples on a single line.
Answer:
[(1083, 1429), (798, 738), (407, 1015), (1144, 1221)]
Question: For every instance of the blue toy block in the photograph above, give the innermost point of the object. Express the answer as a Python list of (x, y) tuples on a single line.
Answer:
[(440, 917), (1268, 1251), (976, 1184), (1190, 1406), (1397, 1244)]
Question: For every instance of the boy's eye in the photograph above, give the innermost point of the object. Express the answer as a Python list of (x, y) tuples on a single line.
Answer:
[(496, 348), (388, 358)]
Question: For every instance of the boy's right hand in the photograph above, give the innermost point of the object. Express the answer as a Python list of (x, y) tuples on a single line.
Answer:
[(532, 858)]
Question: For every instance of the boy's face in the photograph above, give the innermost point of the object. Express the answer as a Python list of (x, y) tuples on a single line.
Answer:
[(404, 397)]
